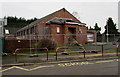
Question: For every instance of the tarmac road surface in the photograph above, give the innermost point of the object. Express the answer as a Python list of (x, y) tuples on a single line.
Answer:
[(99, 67)]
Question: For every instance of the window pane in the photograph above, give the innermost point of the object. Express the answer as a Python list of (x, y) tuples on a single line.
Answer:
[(58, 29)]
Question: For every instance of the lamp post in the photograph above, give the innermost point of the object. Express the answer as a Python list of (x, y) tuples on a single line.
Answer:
[(107, 37), (30, 38), (117, 50), (107, 33), (118, 47)]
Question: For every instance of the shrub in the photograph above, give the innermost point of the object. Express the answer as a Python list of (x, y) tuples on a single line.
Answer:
[(46, 43), (7, 51)]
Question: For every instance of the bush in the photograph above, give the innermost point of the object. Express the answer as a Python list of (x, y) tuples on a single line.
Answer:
[(46, 43), (7, 51)]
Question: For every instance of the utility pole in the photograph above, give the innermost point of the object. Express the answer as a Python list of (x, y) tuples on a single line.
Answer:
[(107, 33)]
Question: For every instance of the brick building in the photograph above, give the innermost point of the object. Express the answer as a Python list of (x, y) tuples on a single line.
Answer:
[(59, 26)]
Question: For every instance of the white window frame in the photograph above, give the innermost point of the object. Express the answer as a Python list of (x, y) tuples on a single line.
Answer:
[(79, 30), (58, 29)]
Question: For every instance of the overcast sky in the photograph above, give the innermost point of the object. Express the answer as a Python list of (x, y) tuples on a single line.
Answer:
[(88, 12)]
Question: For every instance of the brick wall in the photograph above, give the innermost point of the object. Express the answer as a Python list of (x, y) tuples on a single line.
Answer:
[(61, 14), (60, 39), (57, 37), (82, 37), (12, 45), (64, 29)]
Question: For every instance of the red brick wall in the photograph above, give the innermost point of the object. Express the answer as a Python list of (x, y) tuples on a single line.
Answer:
[(14, 44), (60, 14), (61, 39), (82, 38), (57, 37)]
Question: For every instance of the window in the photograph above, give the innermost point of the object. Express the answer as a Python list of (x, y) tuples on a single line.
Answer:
[(27, 31), (79, 30), (32, 30), (6, 31), (90, 37), (58, 29), (24, 32)]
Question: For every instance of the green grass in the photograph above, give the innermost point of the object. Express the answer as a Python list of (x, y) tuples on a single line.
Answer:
[(110, 50)]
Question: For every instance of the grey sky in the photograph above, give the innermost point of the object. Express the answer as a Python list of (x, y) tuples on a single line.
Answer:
[(89, 12)]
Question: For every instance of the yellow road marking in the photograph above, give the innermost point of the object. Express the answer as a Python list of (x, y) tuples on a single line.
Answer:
[(63, 65), (73, 64), (104, 61), (25, 68), (7, 69), (22, 68), (84, 63), (40, 67)]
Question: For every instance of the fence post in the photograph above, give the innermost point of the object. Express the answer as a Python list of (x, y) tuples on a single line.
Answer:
[(16, 57), (15, 53), (47, 53), (117, 50), (84, 54), (56, 55), (102, 50)]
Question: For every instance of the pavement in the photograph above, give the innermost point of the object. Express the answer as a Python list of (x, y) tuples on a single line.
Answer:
[(73, 64), (94, 64), (67, 58)]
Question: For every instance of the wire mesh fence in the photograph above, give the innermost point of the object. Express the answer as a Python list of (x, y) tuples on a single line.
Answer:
[(52, 47)]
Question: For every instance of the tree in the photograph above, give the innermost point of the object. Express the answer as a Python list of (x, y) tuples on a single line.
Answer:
[(110, 27), (15, 23), (18, 22), (91, 28), (97, 29)]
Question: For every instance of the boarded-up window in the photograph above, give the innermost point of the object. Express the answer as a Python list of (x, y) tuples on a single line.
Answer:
[(90, 37)]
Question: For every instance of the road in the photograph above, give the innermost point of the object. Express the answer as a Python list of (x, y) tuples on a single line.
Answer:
[(102, 67)]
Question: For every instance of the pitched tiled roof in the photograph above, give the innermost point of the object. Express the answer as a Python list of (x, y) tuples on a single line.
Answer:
[(57, 20)]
